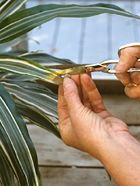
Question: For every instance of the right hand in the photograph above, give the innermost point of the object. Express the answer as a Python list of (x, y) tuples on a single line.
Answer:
[(128, 59)]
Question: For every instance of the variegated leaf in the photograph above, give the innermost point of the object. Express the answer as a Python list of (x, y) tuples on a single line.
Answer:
[(23, 21), (43, 102), (27, 67), (8, 7), (7, 175), (46, 59), (38, 117), (16, 145)]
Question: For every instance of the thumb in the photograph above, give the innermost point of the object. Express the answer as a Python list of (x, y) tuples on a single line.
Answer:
[(71, 95)]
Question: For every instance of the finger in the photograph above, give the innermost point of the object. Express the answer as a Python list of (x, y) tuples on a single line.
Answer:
[(62, 106), (135, 77), (137, 65), (72, 97), (132, 91), (66, 130), (124, 78), (85, 98), (128, 78), (128, 58), (77, 81), (93, 93)]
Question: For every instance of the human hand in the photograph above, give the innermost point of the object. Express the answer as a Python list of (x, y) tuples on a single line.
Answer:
[(129, 58), (84, 122)]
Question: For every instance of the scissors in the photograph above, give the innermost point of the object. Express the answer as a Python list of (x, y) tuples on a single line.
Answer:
[(106, 66)]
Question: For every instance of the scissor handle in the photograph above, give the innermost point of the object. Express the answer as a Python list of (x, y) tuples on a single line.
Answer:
[(113, 71), (127, 46), (111, 62)]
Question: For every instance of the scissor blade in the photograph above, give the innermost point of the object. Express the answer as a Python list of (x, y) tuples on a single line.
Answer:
[(72, 71), (65, 66), (80, 69)]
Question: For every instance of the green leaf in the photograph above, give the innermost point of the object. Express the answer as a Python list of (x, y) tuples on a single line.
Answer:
[(23, 21), (27, 67), (7, 176), (45, 59), (16, 147), (8, 7), (38, 118), (37, 103), (41, 101)]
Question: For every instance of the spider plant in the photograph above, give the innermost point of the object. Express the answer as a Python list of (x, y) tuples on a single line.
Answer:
[(28, 85)]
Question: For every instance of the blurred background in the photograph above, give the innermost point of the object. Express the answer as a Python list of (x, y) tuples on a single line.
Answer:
[(86, 40)]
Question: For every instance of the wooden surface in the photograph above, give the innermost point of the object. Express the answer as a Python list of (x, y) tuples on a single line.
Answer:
[(124, 108), (74, 177)]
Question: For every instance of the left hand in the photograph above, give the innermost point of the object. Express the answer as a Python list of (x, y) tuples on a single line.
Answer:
[(84, 121)]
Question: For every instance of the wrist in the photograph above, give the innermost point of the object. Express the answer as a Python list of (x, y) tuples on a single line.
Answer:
[(120, 147), (114, 143), (121, 158)]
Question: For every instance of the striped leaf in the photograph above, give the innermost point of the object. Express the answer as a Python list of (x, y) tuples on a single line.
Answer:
[(23, 21), (37, 103), (38, 118), (43, 102), (8, 7), (46, 59), (29, 68), (7, 176), (16, 148)]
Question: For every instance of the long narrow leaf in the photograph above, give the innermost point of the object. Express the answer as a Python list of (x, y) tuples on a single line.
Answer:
[(16, 143), (8, 7), (23, 21), (7, 175), (27, 67), (46, 59), (37, 117), (41, 101)]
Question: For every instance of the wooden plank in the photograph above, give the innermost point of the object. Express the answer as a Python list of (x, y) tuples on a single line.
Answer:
[(124, 108), (75, 177), (52, 152)]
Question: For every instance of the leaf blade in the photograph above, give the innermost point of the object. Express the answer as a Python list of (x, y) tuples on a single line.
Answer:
[(25, 20), (41, 101), (16, 143), (8, 7), (38, 118), (27, 67)]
